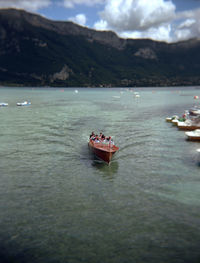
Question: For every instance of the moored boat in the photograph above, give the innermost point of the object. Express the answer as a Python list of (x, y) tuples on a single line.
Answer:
[(3, 104), (188, 125), (193, 135), (177, 121), (25, 103), (195, 111), (170, 119), (102, 150)]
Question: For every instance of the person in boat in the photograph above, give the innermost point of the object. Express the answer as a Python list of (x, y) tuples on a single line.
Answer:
[(110, 141), (92, 135), (103, 137), (104, 140), (96, 138)]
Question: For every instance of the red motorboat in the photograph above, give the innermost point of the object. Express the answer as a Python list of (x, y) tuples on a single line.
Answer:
[(104, 151)]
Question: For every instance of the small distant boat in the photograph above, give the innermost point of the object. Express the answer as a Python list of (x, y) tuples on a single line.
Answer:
[(137, 96), (103, 151), (193, 135), (3, 104), (116, 97), (25, 103), (198, 150)]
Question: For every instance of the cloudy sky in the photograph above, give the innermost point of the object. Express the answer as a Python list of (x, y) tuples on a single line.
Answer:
[(163, 20)]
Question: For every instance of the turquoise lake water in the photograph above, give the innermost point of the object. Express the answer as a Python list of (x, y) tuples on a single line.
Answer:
[(59, 204)]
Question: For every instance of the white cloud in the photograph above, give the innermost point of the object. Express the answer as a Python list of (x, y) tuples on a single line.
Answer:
[(33, 5), (161, 33), (72, 3), (189, 25), (101, 25), (79, 19), (155, 19), (131, 15)]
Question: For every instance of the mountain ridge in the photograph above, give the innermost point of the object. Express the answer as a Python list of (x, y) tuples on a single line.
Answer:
[(35, 51), (62, 27)]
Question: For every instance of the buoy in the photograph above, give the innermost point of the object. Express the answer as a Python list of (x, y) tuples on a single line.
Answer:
[(196, 97)]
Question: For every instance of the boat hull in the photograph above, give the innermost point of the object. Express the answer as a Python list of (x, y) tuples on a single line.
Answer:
[(103, 152), (193, 135), (193, 138), (175, 122), (194, 112), (188, 128), (3, 104), (168, 119)]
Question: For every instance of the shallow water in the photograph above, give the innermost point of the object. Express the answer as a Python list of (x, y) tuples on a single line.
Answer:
[(59, 204)]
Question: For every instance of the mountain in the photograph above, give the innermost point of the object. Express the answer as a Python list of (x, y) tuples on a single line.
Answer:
[(35, 51)]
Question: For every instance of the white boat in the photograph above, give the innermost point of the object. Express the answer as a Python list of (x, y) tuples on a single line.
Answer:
[(175, 121), (193, 135), (178, 121), (198, 150), (3, 104), (170, 119), (25, 103), (195, 111), (188, 125)]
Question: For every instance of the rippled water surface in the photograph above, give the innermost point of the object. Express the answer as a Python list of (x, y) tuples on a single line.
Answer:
[(59, 204)]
